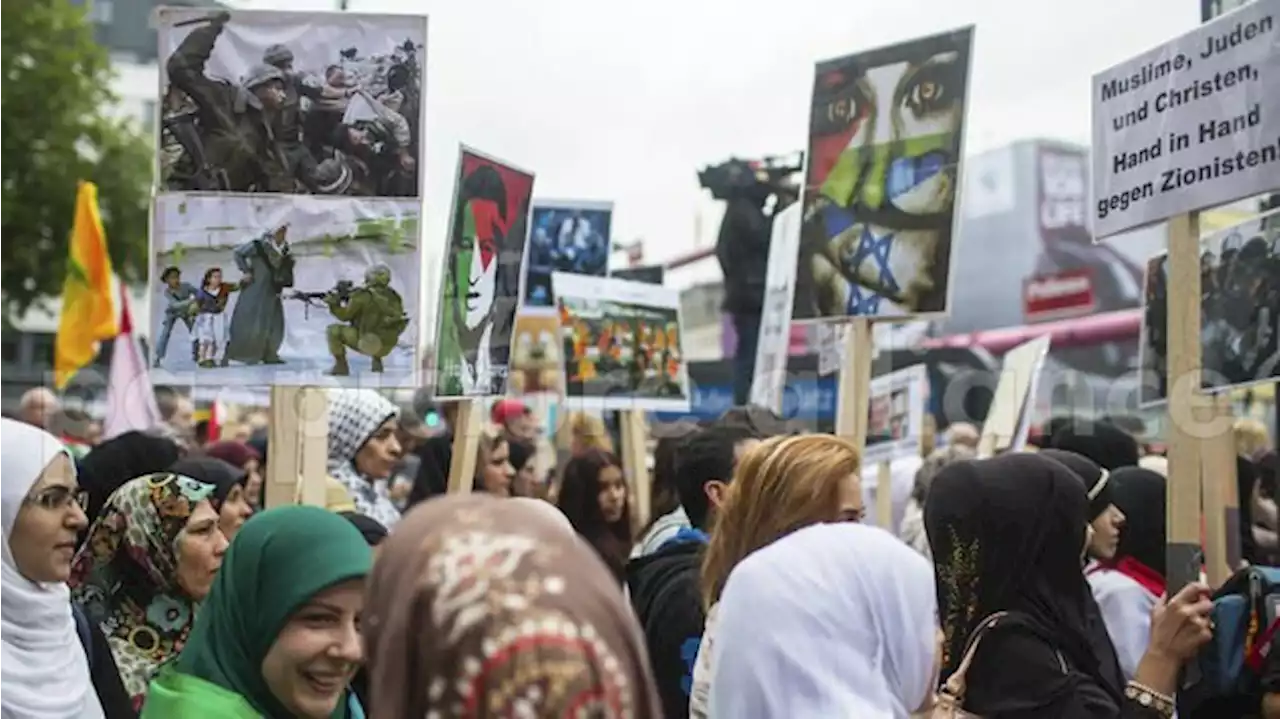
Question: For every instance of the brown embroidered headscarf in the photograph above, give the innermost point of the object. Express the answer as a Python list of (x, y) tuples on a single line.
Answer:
[(485, 607)]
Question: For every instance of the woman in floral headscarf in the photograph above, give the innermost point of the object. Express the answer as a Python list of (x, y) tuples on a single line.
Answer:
[(150, 558)]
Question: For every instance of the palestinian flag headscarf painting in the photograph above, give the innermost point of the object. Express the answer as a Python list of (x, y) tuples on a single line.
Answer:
[(882, 185), (483, 267)]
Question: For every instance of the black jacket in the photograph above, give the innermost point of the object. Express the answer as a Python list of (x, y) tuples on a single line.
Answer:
[(434, 454), (665, 594), (743, 251)]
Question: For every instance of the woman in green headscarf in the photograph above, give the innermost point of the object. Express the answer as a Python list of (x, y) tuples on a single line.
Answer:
[(277, 636)]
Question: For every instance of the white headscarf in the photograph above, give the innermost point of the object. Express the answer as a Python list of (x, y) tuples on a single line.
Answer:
[(45, 672), (834, 620)]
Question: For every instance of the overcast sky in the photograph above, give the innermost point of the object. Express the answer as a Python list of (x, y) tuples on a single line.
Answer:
[(624, 101)]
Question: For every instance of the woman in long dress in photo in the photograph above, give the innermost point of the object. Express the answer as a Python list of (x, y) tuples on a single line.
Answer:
[(256, 330)]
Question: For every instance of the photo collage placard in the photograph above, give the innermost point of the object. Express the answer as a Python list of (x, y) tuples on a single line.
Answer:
[(286, 235)]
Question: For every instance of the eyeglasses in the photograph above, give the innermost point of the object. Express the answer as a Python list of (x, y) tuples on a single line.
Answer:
[(60, 498)]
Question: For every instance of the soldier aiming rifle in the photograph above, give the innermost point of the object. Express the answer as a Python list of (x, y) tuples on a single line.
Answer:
[(341, 290)]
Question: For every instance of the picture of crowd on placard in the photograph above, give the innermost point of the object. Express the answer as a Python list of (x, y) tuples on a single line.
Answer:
[(888, 417), (627, 353), (298, 291), (895, 414), (327, 104), (1239, 310), (881, 188), (628, 350), (566, 237)]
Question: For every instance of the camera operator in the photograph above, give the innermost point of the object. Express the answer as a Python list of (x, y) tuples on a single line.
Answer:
[(743, 251)]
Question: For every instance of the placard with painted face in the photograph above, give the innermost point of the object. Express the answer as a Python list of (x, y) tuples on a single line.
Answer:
[(881, 190), (482, 277)]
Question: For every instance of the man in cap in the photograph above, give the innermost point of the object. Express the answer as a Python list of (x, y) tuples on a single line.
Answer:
[(517, 420), (237, 133)]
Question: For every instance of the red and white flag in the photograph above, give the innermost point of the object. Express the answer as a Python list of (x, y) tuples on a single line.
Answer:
[(217, 416), (131, 403)]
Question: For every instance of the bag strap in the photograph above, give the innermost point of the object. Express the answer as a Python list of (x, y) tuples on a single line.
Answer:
[(954, 688)]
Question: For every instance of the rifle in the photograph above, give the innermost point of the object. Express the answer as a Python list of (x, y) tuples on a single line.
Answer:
[(341, 291)]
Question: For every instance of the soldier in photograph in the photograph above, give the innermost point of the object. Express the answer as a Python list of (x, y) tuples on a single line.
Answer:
[(287, 124), (371, 319), (237, 134)]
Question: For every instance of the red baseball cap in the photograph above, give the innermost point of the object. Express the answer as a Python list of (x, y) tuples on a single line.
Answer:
[(505, 410)]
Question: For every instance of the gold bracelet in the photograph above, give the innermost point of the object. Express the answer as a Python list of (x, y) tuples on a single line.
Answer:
[(1150, 698)]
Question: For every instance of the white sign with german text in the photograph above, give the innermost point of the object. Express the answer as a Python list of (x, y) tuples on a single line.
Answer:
[(1193, 124)]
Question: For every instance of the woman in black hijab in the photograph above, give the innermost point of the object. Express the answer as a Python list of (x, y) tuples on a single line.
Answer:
[(1007, 535), (229, 498), (112, 463), (1102, 442), (1128, 586), (1106, 519)]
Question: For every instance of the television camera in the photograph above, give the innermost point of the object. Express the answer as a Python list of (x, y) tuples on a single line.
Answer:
[(736, 176)]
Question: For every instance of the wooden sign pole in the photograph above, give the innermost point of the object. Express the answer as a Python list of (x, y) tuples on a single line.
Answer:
[(635, 456), (854, 402), (884, 500), (466, 444), (1221, 500), (1185, 444), (298, 440)]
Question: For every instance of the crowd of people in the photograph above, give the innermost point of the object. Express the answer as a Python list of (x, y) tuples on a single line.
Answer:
[(144, 578)]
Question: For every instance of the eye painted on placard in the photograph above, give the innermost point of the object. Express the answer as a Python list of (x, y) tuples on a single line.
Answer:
[(931, 89)]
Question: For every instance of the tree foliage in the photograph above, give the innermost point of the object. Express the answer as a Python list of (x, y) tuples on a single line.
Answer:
[(60, 127)]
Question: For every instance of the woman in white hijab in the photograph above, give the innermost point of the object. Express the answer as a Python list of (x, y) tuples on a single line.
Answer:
[(849, 629), (45, 670)]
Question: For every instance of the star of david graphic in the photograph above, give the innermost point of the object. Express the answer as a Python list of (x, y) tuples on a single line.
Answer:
[(878, 249), (863, 302)]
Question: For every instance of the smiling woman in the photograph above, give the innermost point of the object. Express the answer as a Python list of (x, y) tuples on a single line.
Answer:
[(278, 635)]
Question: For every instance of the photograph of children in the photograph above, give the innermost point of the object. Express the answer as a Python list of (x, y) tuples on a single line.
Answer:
[(895, 414), (571, 237), (881, 190), (537, 362), (1239, 311), (299, 103), (481, 291), (621, 343), (261, 290)]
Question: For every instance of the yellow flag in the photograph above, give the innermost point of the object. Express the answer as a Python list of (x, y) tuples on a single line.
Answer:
[(88, 305)]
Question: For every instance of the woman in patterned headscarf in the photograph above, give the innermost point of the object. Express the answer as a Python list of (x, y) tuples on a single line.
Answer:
[(150, 558), (484, 607), (363, 449)]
